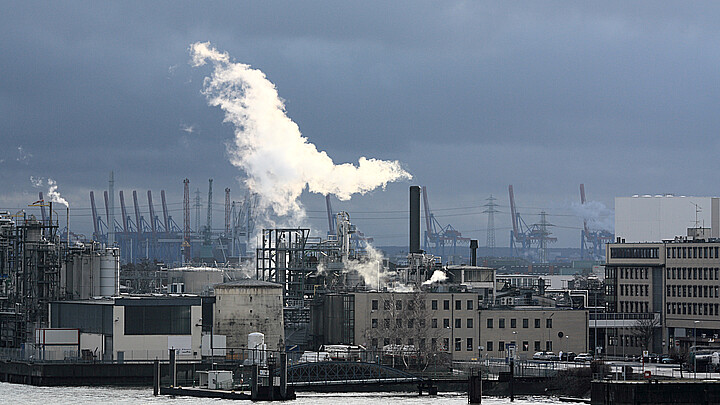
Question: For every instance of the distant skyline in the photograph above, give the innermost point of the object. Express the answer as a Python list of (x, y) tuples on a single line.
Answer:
[(469, 97)]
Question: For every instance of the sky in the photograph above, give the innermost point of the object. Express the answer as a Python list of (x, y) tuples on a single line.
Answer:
[(468, 97)]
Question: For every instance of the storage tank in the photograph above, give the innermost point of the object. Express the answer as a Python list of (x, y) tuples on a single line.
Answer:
[(110, 272), (256, 344)]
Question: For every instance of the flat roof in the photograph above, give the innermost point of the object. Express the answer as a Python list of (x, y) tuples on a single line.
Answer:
[(248, 283)]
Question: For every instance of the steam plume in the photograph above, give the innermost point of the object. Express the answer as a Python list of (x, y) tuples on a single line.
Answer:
[(437, 276), (54, 195), (269, 147), (597, 215)]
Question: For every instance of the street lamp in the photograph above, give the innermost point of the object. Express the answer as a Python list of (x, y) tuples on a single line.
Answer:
[(695, 348)]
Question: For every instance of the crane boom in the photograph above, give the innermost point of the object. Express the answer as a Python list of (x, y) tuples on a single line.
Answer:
[(95, 216), (582, 201), (137, 213), (166, 218), (152, 212), (513, 212), (124, 212)]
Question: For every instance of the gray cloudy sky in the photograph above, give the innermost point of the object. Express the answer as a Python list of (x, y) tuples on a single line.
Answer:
[(470, 96)]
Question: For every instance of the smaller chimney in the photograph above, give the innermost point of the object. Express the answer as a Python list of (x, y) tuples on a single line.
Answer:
[(473, 252)]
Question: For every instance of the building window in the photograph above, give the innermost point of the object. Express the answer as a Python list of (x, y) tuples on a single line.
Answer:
[(537, 345), (458, 344), (526, 346), (526, 323), (501, 346), (422, 343), (398, 341), (469, 323), (411, 323), (374, 323), (489, 346), (422, 323), (433, 344), (374, 305), (548, 345), (446, 323), (433, 323), (386, 341), (458, 305), (446, 305), (489, 323), (446, 344), (548, 323), (157, 320), (411, 342), (374, 342), (433, 305), (470, 344), (458, 323), (501, 323), (387, 323), (513, 323), (398, 305), (469, 305), (386, 305), (398, 323), (537, 323)]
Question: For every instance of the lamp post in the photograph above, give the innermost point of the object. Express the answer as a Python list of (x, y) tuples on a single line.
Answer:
[(695, 348)]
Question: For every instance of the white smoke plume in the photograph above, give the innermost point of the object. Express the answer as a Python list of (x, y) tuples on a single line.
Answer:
[(278, 160), (437, 276), (36, 181), (597, 215), (370, 268), (54, 195)]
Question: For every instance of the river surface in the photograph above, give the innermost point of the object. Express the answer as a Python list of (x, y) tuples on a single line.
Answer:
[(27, 394)]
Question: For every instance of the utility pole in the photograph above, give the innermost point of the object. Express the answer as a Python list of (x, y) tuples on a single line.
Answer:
[(490, 210)]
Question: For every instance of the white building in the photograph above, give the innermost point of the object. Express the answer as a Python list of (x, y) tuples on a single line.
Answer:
[(133, 328), (655, 218)]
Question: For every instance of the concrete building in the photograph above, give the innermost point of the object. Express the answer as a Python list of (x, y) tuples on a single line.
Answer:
[(480, 280), (655, 218), (532, 329), (246, 306), (679, 280), (132, 328), (432, 322)]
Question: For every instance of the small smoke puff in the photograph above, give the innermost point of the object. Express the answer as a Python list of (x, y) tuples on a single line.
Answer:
[(187, 128), (37, 181), (54, 195), (437, 276), (279, 162)]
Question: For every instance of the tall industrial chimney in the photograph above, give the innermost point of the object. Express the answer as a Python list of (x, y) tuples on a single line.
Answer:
[(414, 219), (473, 252)]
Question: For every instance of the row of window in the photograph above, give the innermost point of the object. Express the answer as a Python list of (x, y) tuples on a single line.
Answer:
[(410, 305), (420, 323), (635, 290), (634, 253), (513, 323), (633, 273), (634, 306), (694, 291), (693, 252), (625, 340), (501, 347), (692, 273), (435, 344), (692, 308)]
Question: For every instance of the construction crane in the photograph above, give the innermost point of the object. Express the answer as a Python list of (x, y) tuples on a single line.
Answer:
[(437, 237), (529, 240), (592, 242)]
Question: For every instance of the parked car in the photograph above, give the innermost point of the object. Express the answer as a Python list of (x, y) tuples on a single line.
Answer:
[(583, 357), (567, 356), (667, 360), (550, 356)]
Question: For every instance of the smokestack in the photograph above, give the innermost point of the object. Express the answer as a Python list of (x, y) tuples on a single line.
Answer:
[(473, 252), (414, 219)]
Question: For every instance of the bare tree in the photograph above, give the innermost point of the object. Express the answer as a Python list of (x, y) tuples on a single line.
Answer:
[(644, 331), (404, 331)]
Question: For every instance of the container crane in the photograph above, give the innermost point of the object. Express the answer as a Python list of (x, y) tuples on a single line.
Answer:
[(438, 236)]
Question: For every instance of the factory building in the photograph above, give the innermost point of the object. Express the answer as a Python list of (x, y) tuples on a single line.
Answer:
[(532, 329), (656, 218), (127, 328), (246, 306)]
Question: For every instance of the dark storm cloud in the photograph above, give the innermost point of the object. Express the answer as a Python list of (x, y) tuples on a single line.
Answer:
[(471, 96)]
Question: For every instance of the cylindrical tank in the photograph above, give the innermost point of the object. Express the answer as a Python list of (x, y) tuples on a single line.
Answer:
[(109, 272), (255, 340)]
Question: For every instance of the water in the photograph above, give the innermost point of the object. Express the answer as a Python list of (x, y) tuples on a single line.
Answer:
[(26, 394)]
